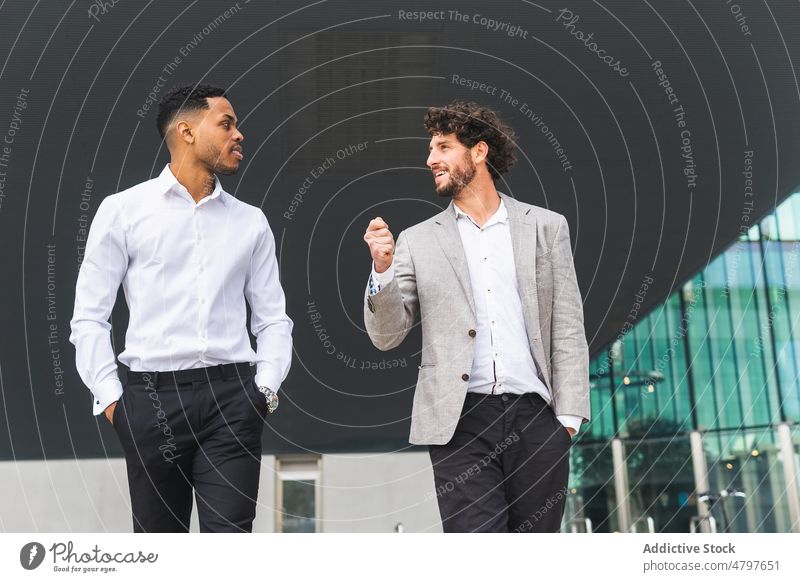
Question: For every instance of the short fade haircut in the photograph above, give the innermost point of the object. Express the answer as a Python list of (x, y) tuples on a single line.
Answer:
[(473, 123), (190, 97)]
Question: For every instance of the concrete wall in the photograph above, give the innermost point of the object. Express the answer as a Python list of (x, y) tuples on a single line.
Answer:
[(375, 492), (357, 493)]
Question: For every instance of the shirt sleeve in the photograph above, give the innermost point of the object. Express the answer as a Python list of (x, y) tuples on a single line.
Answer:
[(104, 265), (571, 421), (268, 319)]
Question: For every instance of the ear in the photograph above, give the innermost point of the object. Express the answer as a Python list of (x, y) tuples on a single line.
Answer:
[(480, 151), (183, 132)]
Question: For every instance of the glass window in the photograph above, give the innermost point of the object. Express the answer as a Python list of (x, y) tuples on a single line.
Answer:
[(297, 494), (782, 265), (592, 502), (745, 464), (787, 218), (601, 426), (661, 483), (751, 339)]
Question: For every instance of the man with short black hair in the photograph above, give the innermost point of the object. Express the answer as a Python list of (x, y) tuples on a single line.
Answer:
[(188, 255), (503, 383)]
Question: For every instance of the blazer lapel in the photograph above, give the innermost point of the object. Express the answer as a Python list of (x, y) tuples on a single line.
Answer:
[(522, 224), (450, 240), (523, 240)]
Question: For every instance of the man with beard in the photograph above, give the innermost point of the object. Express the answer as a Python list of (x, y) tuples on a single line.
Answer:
[(188, 255), (503, 383)]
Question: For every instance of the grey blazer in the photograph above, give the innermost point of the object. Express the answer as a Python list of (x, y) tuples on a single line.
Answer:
[(431, 279)]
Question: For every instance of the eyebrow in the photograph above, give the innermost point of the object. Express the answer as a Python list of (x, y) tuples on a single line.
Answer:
[(229, 116), (442, 142)]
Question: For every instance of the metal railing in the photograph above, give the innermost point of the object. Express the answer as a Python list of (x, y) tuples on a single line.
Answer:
[(697, 520), (651, 524), (576, 523)]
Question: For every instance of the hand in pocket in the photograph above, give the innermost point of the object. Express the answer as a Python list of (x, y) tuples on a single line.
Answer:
[(109, 412)]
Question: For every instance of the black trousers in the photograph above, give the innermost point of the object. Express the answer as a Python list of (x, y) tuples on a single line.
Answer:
[(201, 436), (506, 467)]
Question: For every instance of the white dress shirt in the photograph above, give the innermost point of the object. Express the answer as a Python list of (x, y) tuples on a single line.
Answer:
[(502, 361), (186, 269)]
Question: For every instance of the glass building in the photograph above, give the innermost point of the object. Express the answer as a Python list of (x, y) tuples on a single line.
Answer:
[(696, 405)]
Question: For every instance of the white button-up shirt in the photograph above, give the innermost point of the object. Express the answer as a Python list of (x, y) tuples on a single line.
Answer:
[(186, 269), (502, 361)]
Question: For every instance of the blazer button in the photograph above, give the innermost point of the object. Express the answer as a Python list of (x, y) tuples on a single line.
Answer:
[(472, 333), (465, 377)]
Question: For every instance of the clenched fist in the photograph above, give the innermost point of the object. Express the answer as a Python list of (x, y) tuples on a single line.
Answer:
[(381, 244)]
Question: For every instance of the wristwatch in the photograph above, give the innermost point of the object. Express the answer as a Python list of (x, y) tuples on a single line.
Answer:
[(272, 398)]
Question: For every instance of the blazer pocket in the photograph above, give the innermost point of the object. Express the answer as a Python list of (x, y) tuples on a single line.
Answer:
[(424, 366)]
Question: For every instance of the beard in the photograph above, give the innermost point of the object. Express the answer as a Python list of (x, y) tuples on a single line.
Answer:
[(458, 178), (216, 161)]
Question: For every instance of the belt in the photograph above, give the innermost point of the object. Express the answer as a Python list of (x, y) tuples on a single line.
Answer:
[(218, 372), (472, 396)]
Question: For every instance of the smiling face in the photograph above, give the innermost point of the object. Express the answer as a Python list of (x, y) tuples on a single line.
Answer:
[(217, 139), (451, 164)]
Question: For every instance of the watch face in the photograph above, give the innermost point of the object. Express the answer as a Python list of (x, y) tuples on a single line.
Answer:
[(272, 400), (273, 403)]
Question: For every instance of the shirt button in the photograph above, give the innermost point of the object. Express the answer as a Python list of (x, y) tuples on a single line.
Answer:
[(505, 398), (465, 377), (472, 333)]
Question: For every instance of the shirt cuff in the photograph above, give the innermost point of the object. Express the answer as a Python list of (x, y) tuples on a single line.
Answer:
[(379, 280), (105, 393), (267, 380), (571, 421)]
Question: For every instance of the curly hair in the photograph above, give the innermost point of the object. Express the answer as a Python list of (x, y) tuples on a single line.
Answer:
[(473, 123), (191, 97)]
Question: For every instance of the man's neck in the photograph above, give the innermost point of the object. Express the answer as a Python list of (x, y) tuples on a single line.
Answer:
[(197, 179), (480, 202)]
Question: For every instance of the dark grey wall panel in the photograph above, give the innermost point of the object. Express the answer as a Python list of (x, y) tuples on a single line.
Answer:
[(651, 181)]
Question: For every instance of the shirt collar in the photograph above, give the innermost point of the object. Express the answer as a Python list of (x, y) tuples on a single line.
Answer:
[(500, 215), (167, 182)]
